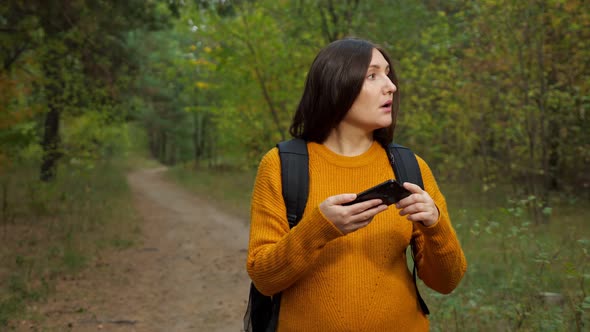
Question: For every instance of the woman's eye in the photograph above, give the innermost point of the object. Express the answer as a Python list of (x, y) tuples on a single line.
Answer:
[(371, 76)]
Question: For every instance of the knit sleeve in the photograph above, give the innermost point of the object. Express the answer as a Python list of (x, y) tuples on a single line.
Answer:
[(277, 256), (438, 254)]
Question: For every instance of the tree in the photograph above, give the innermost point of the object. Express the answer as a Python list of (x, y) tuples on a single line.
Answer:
[(526, 76), (81, 56)]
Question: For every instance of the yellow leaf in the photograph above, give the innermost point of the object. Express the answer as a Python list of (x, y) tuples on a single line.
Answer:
[(202, 85)]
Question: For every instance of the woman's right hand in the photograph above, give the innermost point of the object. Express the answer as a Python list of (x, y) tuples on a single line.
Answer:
[(353, 217)]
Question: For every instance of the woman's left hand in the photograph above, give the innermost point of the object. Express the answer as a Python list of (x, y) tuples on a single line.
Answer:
[(419, 207)]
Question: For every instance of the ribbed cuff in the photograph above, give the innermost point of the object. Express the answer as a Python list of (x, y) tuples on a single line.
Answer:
[(440, 230), (317, 230)]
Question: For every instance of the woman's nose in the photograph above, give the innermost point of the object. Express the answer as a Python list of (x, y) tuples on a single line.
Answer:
[(390, 88)]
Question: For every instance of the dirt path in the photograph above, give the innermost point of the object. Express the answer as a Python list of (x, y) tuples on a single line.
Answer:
[(187, 275)]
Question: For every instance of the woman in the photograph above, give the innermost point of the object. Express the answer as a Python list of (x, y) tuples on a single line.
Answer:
[(343, 268)]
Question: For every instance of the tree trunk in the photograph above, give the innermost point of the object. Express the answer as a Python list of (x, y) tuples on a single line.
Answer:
[(199, 135), (50, 144), (51, 135), (163, 142)]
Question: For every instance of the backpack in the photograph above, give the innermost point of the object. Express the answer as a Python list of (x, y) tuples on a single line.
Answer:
[(262, 313)]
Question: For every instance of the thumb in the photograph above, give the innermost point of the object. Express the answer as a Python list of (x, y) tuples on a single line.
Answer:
[(341, 199), (413, 188)]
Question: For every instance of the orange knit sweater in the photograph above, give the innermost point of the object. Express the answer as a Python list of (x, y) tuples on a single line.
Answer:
[(355, 282)]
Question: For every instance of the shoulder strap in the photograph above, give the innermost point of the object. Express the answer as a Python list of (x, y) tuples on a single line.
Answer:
[(405, 165), (406, 169), (295, 177), (295, 183)]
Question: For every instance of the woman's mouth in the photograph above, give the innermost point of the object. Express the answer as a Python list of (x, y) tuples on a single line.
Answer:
[(387, 105)]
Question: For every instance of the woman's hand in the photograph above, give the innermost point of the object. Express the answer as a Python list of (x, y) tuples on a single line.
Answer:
[(419, 206), (353, 217)]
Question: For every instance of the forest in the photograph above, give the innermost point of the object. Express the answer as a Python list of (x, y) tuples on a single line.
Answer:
[(494, 94)]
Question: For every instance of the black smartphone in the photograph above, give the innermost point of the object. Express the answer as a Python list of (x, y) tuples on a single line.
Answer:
[(389, 192)]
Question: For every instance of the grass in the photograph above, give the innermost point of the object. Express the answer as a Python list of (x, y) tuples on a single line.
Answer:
[(53, 230), (515, 267), (227, 187), (50, 231)]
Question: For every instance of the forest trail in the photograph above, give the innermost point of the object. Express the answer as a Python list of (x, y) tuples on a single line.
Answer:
[(187, 274)]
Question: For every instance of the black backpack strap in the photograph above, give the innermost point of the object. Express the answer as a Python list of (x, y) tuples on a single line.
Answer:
[(295, 177), (295, 181), (263, 311), (257, 313), (405, 165), (406, 169)]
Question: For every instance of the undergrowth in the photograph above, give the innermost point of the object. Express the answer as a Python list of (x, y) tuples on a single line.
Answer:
[(52, 230)]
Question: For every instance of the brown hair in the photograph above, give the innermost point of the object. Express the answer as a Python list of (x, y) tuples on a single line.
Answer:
[(334, 81)]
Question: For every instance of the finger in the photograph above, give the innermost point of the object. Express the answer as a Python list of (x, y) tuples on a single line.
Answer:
[(363, 206), (420, 217), (414, 208), (369, 213), (353, 227), (356, 225), (413, 188), (363, 223), (412, 199)]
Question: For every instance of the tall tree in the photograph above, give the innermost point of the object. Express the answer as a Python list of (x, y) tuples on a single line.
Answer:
[(530, 95), (81, 51)]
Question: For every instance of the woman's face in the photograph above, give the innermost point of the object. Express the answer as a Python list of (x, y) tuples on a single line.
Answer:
[(372, 108)]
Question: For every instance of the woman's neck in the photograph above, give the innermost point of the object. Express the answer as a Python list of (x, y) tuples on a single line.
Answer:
[(348, 144)]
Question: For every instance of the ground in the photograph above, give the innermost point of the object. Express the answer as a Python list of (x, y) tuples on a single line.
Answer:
[(188, 273)]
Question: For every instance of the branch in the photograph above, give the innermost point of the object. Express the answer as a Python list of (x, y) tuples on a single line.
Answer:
[(10, 30), (262, 82), (11, 60), (325, 27)]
